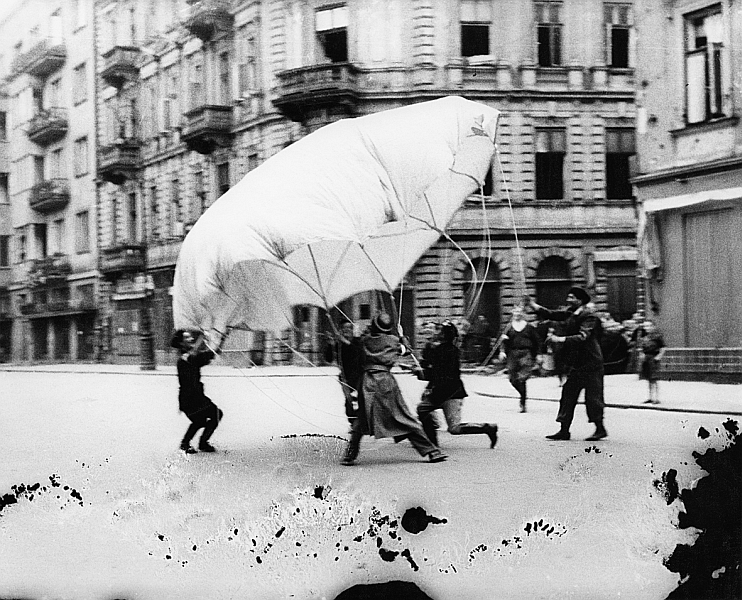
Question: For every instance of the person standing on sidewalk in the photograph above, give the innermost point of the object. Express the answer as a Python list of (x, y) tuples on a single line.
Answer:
[(520, 344), (441, 366), (583, 361), (652, 347), (384, 412), (198, 407)]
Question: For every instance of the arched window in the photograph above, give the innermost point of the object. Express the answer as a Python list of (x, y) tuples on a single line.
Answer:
[(482, 292), (553, 280)]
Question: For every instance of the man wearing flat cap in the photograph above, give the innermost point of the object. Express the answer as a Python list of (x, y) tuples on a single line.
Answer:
[(583, 361)]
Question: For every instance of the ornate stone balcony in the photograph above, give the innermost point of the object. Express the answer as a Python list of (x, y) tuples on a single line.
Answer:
[(43, 59), (122, 258), (207, 127), (119, 161), (50, 195), (120, 64), (207, 17), (48, 126), (303, 89)]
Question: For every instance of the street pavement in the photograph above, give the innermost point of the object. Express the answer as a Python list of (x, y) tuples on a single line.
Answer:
[(621, 391), (272, 514)]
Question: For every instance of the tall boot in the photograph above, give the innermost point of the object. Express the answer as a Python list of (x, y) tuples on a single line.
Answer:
[(209, 429), (489, 429)]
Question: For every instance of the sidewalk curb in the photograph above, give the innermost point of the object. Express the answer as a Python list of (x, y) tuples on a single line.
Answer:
[(628, 406)]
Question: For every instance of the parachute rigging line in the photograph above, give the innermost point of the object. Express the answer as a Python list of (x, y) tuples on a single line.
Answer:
[(522, 282)]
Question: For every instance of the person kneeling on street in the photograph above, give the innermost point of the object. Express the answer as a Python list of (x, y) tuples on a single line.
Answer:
[(192, 401)]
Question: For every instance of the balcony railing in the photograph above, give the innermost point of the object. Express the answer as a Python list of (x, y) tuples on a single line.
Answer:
[(334, 84), (119, 161), (50, 195), (207, 17), (207, 127), (120, 64), (41, 60), (122, 258), (49, 271), (48, 126)]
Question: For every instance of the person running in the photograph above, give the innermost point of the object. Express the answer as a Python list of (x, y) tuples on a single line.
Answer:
[(192, 401), (383, 411), (348, 352), (583, 359), (441, 366), (520, 343), (652, 346)]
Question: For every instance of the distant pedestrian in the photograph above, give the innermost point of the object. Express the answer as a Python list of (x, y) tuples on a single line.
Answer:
[(198, 407), (347, 350), (441, 366), (583, 359), (384, 412), (652, 347), (481, 334), (520, 343)]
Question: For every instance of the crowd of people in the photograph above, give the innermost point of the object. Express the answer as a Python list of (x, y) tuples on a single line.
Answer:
[(574, 343)]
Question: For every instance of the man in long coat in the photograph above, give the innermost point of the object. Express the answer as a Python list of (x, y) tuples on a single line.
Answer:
[(384, 412), (583, 361)]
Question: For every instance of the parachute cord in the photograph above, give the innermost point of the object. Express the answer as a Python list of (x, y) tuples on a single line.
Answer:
[(522, 281), (296, 401)]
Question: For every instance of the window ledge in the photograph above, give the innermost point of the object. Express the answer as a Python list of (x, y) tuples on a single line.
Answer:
[(713, 124)]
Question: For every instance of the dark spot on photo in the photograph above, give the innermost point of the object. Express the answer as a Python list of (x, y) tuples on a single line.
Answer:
[(416, 520)]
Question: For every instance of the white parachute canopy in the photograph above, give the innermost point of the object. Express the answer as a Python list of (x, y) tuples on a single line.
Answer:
[(349, 208)]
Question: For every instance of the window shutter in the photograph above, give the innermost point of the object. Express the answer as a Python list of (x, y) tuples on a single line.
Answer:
[(237, 84), (695, 87)]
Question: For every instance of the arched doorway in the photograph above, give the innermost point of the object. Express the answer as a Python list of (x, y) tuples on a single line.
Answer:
[(553, 280), (481, 307)]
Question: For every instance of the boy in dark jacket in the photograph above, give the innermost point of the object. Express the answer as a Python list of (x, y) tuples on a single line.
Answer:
[(198, 407)]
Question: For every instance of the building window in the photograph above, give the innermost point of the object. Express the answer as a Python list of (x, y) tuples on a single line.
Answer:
[(81, 156), (82, 232), (133, 217), (549, 33), (703, 65), (54, 94), (476, 18), (196, 82), (21, 244), (222, 176), (4, 189), (154, 213), (224, 81), (619, 148), (331, 25), (58, 237), (618, 22), (553, 280), (41, 247), (177, 226), (80, 13), (4, 250), (80, 88), (198, 185), (551, 145), (3, 126), (56, 169)]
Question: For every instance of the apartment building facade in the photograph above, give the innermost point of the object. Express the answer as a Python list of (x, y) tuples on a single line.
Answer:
[(689, 181), (191, 95), (50, 280)]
